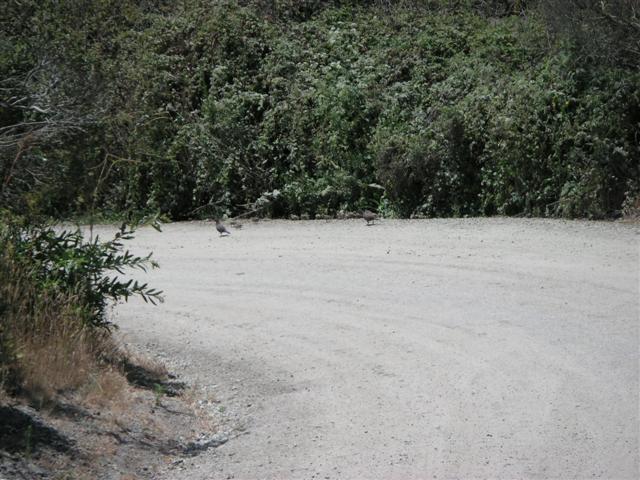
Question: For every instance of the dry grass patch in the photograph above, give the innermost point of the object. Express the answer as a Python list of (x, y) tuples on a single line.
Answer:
[(47, 346), (107, 388)]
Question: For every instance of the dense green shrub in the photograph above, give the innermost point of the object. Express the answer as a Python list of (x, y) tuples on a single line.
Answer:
[(208, 107)]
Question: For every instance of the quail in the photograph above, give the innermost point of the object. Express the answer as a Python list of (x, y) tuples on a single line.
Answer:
[(369, 216), (222, 230)]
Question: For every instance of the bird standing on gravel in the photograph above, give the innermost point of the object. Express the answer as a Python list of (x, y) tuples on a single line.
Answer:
[(369, 216), (222, 230)]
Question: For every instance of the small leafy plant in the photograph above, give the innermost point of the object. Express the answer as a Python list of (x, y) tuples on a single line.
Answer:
[(159, 391)]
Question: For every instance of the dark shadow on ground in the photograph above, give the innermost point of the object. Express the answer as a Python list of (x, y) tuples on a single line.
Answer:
[(24, 433), (143, 378)]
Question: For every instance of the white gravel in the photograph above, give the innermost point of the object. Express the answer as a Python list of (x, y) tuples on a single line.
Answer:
[(473, 348)]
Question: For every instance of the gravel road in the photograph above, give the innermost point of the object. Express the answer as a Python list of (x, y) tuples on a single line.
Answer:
[(473, 348)]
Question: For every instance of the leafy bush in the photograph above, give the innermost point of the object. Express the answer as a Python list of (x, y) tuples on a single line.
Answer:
[(202, 109), (63, 262)]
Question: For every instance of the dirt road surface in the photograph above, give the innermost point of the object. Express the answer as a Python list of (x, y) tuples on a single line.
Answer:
[(472, 348)]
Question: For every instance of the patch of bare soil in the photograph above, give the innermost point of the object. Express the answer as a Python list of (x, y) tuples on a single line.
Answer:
[(128, 424)]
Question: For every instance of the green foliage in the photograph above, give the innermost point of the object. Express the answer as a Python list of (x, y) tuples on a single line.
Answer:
[(159, 391), (62, 262), (598, 31), (211, 108)]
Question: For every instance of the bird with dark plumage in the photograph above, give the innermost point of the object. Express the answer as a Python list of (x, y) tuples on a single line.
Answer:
[(222, 230), (369, 216)]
